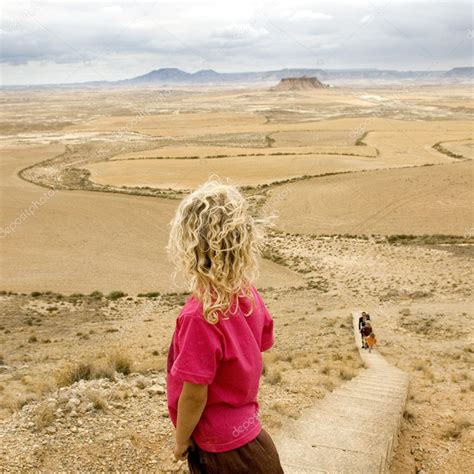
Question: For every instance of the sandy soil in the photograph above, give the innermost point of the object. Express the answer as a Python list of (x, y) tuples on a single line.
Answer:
[(71, 244), (243, 171), (421, 200), (176, 124), (420, 300), (433, 343)]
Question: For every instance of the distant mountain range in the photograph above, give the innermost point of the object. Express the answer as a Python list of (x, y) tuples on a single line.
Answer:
[(175, 76), (209, 76)]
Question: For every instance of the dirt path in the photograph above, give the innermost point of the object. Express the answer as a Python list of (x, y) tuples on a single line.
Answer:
[(355, 428)]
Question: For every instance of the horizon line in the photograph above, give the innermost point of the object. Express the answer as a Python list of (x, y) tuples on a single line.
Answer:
[(103, 81)]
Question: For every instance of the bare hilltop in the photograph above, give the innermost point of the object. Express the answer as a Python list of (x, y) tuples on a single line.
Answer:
[(299, 84)]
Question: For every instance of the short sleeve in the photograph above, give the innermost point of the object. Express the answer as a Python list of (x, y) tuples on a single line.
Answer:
[(267, 331), (200, 348)]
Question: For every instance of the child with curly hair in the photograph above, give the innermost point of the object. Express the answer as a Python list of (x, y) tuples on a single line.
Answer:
[(215, 360)]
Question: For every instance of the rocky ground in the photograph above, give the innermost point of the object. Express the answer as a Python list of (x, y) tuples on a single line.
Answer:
[(119, 421), (105, 409), (420, 298)]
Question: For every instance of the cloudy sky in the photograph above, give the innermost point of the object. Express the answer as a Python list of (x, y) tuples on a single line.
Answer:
[(73, 41)]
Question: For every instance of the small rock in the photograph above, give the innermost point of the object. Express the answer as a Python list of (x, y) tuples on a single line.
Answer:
[(156, 390), (50, 430), (73, 403), (63, 395), (4, 368), (142, 382)]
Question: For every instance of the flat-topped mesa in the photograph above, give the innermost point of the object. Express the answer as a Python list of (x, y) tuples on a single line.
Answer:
[(299, 84)]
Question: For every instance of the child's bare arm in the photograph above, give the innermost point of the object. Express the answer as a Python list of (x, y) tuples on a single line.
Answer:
[(191, 404)]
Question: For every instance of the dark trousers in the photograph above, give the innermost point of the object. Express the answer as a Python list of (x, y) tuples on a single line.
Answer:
[(257, 457)]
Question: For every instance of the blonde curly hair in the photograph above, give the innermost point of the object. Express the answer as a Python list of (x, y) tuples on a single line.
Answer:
[(216, 243)]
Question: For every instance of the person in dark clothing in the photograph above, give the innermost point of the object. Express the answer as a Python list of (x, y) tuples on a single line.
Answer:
[(362, 320), (366, 332)]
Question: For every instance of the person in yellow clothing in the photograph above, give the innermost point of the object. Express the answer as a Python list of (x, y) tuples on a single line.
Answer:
[(371, 341)]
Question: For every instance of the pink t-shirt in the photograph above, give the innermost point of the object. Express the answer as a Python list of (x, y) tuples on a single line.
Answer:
[(227, 357)]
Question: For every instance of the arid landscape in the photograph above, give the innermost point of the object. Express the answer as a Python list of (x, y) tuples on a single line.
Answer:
[(369, 190)]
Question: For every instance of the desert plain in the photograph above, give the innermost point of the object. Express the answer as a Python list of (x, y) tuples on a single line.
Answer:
[(368, 195)]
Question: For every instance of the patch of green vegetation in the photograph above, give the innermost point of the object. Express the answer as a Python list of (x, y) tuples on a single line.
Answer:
[(97, 295), (177, 299), (318, 284), (360, 140), (445, 151), (274, 257), (150, 294), (269, 141), (425, 239), (243, 155), (115, 295), (455, 430), (408, 415)]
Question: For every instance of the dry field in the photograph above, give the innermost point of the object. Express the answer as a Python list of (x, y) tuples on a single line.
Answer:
[(371, 189), (184, 174), (71, 244), (420, 200)]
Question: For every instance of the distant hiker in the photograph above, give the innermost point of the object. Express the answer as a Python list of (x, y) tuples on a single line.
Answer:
[(371, 341), (215, 360), (366, 332), (362, 320)]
